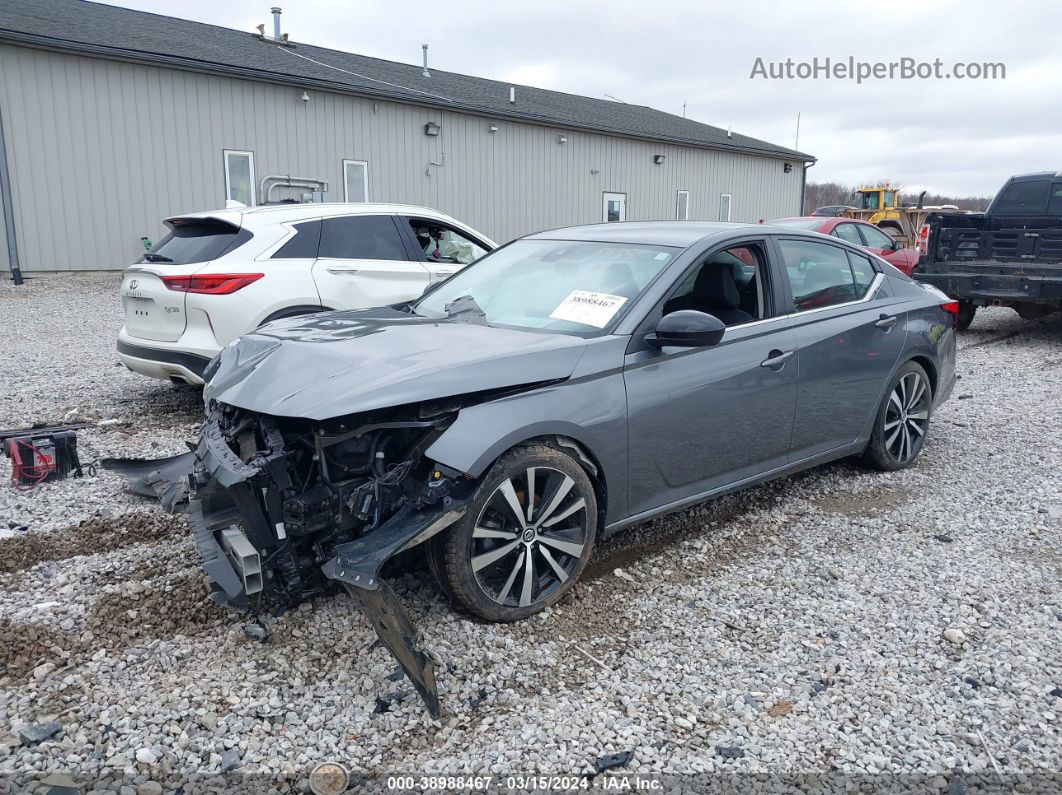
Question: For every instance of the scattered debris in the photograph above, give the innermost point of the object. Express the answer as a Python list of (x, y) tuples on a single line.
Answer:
[(943, 538), (625, 576), (972, 682), (610, 761), (589, 656), (965, 397), (730, 751), (481, 696), (165, 479), (39, 732), (256, 630), (385, 703)]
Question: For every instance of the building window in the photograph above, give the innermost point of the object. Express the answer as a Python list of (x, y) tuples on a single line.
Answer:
[(724, 206), (239, 176), (355, 181), (614, 207), (682, 208)]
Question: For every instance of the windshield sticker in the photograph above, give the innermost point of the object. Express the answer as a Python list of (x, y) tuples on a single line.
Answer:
[(662, 256), (588, 308)]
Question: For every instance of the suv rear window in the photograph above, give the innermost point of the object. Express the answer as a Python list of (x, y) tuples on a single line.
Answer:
[(1022, 198), (196, 240)]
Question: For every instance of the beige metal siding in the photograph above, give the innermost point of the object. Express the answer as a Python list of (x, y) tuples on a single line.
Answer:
[(101, 151)]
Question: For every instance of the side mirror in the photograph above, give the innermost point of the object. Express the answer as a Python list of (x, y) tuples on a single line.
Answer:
[(687, 328)]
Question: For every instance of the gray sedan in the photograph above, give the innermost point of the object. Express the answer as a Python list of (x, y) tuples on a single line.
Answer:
[(567, 385)]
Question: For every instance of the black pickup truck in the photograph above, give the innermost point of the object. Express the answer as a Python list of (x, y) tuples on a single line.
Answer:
[(1009, 255)]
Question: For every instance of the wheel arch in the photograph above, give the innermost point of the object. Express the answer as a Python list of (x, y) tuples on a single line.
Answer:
[(563, 436), (926, 364), (293, 311)]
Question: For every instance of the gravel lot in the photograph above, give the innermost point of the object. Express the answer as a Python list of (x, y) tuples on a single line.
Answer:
[(837, 621)]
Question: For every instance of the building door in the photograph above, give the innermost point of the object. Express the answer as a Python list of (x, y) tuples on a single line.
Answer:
[(614, 207)]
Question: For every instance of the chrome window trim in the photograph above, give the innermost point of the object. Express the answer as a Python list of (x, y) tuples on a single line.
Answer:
[(871, 292)]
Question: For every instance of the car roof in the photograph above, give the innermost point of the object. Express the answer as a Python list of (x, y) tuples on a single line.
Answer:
[(677, 234), (1035, 176), (280, 213)]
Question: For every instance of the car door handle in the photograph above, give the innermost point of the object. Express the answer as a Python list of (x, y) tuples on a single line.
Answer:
[(886, 321), (776, 358), (342, 270)]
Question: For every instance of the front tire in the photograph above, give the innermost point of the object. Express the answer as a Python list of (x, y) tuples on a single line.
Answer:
[(525, 538), (902, 421)]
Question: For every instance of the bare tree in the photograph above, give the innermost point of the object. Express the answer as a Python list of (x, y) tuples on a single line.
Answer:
[(824, 194)]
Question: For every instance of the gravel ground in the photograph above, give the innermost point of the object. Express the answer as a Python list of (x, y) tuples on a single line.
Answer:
[(836, 622)]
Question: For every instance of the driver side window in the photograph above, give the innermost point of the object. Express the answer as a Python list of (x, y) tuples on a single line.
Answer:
[(440, 243), (727, 284)]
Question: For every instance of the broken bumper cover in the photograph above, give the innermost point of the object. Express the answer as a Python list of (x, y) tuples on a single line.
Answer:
[(229, 514)]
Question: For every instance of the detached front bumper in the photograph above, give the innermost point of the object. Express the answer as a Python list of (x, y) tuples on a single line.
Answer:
[(236, 531)]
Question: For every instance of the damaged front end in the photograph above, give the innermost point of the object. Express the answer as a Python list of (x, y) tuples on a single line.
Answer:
[(282, 506)]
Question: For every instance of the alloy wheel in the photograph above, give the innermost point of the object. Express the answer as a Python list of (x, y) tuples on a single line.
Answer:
[(906, 417), (529, 537)]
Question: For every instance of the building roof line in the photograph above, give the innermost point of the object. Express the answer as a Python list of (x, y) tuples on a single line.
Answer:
[(117, 33)]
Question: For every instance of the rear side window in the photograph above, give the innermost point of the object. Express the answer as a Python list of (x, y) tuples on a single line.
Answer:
[(820, 275), (196, 240), (1054, 206), (864, 272), (848, 232), (361, 237), (304, 244), (875, 237), (1023, 198)]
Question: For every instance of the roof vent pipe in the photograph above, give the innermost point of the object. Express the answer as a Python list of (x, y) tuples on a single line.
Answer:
[(276, 22), (424, 72), (512, 95)]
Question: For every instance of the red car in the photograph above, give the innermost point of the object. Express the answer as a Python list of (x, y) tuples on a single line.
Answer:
[(862, 234)]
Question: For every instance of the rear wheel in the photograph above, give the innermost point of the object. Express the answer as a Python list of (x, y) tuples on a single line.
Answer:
[(902, 422), (967, 310), (525, 538)]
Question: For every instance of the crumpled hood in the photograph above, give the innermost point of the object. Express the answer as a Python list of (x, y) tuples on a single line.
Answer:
[(336, 363)]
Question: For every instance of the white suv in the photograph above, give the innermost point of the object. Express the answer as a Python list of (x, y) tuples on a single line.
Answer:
[(218, 275)]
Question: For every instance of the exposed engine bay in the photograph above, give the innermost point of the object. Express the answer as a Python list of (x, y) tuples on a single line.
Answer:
[(281, 507)]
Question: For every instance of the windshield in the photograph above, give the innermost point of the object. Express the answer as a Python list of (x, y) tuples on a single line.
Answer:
[(578, 288), (811, 224)]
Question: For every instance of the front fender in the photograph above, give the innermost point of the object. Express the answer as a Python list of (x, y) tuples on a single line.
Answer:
[(591, 410)]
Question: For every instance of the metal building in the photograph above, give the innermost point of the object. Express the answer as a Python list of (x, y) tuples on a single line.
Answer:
[(112, 120)]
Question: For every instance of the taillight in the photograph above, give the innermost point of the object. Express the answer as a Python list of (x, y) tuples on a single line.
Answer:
[(211, 283), (923, 238), (953, 308)]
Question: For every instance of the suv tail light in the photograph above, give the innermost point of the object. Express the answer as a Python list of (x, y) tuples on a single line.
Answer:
[(211, 283), (952, 307)]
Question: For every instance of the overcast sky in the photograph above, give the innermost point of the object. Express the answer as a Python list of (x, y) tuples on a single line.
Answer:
[(960, 137)]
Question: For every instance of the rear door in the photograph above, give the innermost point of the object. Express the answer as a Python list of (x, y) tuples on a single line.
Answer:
[(154, 312), (364, 261), (849, 335)]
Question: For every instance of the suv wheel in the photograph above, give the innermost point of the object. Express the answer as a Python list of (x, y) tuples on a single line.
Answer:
[(525, 538)]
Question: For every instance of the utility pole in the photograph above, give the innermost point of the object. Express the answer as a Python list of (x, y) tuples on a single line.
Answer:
[(683, 108)]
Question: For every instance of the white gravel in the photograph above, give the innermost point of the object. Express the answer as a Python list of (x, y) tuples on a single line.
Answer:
[(837, 622)]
